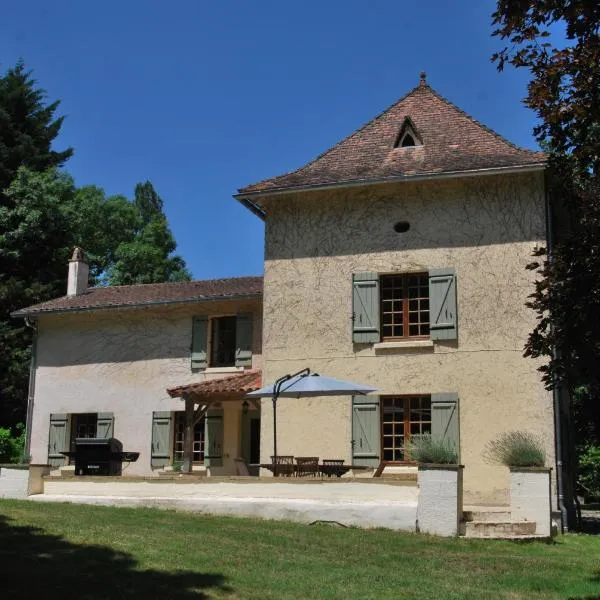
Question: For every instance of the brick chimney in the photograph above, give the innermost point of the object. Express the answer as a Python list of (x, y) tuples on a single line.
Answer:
[(77, 282)]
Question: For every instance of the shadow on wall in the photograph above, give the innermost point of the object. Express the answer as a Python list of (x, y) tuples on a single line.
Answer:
[(37, 565), (466, 213)]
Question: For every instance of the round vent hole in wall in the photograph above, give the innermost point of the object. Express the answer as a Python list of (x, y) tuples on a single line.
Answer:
[(401, 226)]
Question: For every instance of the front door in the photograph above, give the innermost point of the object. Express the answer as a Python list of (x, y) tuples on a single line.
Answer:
[(251, 440)]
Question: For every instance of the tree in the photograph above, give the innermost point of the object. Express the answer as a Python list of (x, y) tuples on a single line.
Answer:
[(27, 126), (148, 257)]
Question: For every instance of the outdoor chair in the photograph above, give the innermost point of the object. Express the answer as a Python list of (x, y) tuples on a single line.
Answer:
[(307, 466), (331, 466), (284, 465)]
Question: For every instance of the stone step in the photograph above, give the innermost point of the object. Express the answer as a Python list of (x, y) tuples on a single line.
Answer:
[(503, 529), (485, 516)]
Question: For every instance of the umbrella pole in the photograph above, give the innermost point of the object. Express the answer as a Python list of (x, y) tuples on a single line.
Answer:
[(275, 435)]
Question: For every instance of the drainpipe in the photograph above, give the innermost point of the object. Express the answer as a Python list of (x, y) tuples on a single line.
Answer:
[(31, 393), (556, 400)]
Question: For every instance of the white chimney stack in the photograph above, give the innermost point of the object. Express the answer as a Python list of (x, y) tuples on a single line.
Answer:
[(79, 271)]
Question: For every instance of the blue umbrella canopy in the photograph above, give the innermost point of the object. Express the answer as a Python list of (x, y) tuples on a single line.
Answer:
[(312, 384)]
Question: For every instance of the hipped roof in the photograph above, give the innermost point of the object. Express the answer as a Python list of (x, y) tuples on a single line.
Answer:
[(452, 142)]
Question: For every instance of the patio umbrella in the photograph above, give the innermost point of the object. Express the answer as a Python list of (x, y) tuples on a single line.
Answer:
[(305, 384)]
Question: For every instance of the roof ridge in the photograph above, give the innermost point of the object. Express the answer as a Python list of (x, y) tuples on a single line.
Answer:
[(172, 283), (340, 142)]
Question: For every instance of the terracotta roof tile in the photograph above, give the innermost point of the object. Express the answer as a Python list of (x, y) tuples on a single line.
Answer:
[(452, 142), (242, 383), (147, 294)]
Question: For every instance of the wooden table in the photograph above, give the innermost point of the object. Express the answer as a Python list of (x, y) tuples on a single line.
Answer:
[(329, 470)]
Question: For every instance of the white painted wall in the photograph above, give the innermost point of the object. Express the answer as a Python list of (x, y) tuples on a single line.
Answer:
[(122, 361)]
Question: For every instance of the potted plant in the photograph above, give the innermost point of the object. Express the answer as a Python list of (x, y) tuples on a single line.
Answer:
[(524, 454), (440, 477)]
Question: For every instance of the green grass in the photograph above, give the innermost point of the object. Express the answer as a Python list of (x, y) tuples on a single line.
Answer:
[(85, 552)]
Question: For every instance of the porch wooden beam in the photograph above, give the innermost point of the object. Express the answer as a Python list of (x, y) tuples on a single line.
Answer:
[(188, 446), (201, 411)]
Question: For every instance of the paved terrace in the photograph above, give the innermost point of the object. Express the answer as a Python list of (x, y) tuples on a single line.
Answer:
[(363, 503)]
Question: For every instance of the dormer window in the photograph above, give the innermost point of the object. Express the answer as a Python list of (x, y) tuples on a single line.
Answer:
[(407, 137), (407, 140)]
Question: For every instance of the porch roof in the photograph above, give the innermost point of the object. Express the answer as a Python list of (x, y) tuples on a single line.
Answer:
[(234, 385)]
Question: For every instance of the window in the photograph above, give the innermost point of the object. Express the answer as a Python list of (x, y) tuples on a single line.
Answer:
[(407, 136), (223, 342), (407, 141), (404, 306), (179, 439), (401, 417)]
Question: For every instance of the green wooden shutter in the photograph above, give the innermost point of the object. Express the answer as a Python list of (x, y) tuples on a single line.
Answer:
[(161, 439), (199, 342), (442, 304), (243, 340), (58, 439), (365, 308), (366, 427), (213, 438), (105, 425), (445, 419)]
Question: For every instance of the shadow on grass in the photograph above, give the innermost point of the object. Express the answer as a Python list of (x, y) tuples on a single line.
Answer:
[(34, 564)]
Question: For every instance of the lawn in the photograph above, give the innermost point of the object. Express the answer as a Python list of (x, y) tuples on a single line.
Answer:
[(85, 552)]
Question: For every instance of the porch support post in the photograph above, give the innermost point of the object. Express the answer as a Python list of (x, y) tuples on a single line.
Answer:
[(188, 447)]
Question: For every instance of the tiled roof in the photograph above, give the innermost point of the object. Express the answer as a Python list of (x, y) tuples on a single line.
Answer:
[(147, 294), (452, 141), (242, 383)]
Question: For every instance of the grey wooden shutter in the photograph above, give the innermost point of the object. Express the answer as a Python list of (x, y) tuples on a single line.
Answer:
[(161, 439), (445, 419), (365, 308), (443, 315), (213, 440), (105, 425), (58, 439), (366, 431), (243, 340), (199, 342)]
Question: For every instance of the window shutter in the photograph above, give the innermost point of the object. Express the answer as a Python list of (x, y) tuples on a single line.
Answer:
[(243, 341), (57, 439), (161, 439), (365, 308), (444, 419), (213, 438), (442, 304), (366, 428), (199, 342), (105, 425)]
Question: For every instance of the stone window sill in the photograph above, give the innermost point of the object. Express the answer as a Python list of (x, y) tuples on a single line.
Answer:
[(404, 345), (219, 370)]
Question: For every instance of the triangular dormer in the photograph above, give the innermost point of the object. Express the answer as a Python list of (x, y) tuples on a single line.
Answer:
[(408, 136)]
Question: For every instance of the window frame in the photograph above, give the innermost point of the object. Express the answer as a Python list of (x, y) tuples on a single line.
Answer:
[(407, 422), (179, 415), (405, 307)]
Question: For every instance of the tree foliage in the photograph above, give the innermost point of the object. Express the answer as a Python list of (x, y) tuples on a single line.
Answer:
[(148, 256), (565, 87)]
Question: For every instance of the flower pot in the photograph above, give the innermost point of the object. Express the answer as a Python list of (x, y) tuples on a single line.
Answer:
[(440, 499)]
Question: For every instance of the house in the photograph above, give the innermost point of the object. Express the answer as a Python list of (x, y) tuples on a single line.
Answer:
[(396, 259)]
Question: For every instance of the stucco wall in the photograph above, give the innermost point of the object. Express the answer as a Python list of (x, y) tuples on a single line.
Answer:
[(122, 361), (486, 228)]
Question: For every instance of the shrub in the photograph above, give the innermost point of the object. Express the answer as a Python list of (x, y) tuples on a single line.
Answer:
[(12, 447), (516, 449), (425, 449), (588, 470)]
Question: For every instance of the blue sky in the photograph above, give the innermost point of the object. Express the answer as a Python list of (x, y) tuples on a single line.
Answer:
[(205, 97)]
